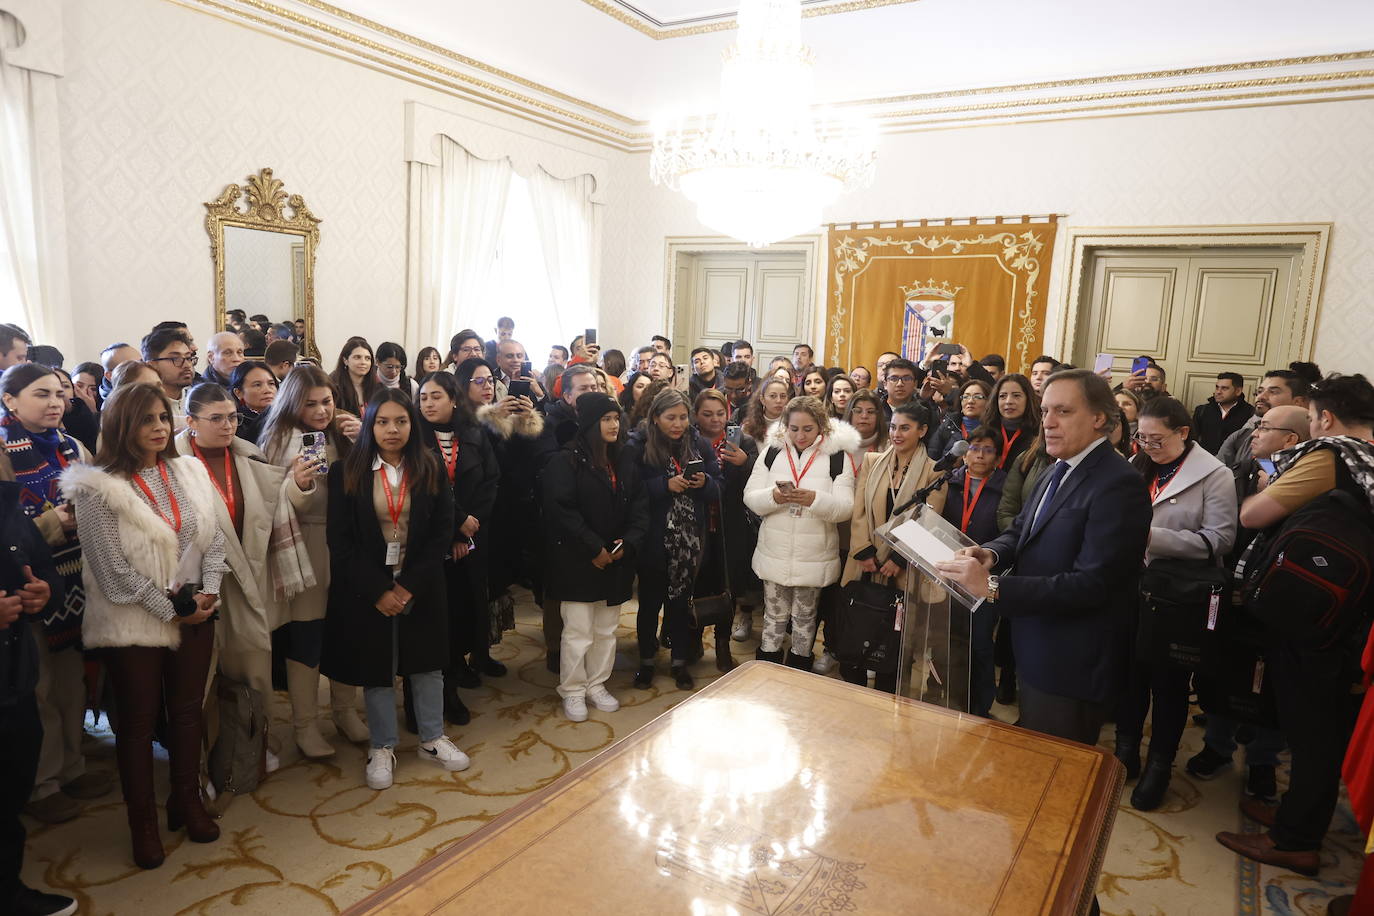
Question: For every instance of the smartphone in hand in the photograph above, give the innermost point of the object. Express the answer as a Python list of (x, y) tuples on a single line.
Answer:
[(589, 337), (313, 448), (694, 467), (519, 388), (733, 434), (1139, 364), (947, 349), (1104, 362)]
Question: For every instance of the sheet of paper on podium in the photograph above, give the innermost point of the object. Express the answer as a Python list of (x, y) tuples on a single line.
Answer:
[(926, 539)]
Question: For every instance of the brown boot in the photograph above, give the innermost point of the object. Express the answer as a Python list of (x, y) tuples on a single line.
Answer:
[(184, 805), (1260, 847)]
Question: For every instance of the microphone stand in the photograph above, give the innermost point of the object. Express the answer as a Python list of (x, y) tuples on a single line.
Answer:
[(923, 494)]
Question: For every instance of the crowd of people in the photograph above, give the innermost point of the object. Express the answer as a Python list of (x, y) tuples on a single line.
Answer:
[(204, 539)]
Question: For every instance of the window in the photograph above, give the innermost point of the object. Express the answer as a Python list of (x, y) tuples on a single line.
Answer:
[(520, 285)]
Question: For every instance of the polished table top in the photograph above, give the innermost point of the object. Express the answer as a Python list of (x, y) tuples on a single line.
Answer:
[(775, 791)]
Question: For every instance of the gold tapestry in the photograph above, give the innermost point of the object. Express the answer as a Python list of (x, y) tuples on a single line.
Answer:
[(983, 284)]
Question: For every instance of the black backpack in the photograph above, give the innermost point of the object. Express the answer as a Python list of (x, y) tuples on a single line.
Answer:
[(1311, 579), (836, 461)]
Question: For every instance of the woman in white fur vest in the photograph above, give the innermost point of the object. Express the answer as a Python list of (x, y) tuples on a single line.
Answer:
[(802, 487), (154, 561), (305, 406), (268, 562)]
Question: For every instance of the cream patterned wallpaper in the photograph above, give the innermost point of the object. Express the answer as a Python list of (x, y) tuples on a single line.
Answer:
[(1294, 163), (163, 105)]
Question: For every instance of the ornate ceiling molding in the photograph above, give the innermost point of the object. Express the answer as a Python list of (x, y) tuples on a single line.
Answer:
[(630, 15), (335, 31)]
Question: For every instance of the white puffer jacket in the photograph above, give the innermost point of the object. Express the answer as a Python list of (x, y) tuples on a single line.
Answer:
[(802, 550)]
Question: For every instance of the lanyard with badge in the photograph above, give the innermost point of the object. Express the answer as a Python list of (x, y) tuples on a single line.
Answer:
[(794, 510), (395, 508)]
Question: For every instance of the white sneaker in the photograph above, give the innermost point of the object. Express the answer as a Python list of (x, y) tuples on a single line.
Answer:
[(601, 698), (825, 664), (381, 764), (443, 752), (744, 627), (575, 708)]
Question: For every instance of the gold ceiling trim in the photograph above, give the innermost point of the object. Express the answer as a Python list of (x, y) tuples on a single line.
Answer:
[(650, 27), (1118, 78)]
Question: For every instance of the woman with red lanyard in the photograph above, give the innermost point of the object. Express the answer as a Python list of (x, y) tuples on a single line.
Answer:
[(390, 531), (1013, 415), (736, 453), (144, 515), (971, 500), (451, 431), (682, 478), (1195, 515), (38, 450), (251, 494)]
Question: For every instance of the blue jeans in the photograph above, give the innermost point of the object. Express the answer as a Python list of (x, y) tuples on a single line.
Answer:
[(427, 691), (1262, 751)]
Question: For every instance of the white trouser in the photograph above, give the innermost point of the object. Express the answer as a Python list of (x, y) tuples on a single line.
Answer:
[(588, 647)]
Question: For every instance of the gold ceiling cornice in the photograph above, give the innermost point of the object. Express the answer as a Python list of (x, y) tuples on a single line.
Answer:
[(585, 119), (651, 27)]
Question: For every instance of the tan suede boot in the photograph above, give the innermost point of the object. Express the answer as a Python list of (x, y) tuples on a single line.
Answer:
[(303, 689)]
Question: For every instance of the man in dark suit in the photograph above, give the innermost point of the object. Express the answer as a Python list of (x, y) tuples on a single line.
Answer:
[(1070, 563)]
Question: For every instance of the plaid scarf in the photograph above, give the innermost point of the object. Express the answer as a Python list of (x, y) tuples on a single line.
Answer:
[(291, 571), (1356, 454), (38, 461)]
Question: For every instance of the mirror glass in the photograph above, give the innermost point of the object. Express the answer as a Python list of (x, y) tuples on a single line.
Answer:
[(264, 273)]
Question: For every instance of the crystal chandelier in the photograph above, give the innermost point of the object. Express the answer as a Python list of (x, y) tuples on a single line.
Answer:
[(763, 165)]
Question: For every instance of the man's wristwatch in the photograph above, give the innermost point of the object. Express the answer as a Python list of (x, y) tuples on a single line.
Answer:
[(994, 583)]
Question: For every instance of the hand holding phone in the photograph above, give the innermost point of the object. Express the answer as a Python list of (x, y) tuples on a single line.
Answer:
[(519, 388), (694, 467), (948, 349), (1103, 363)]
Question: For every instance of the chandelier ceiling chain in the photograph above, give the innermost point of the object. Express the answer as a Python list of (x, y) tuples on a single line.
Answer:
[(764, 165)]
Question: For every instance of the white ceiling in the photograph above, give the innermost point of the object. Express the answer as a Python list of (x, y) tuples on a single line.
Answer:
[(578, 48)]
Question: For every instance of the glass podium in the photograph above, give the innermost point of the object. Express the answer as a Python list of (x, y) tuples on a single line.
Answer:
[(936, 620)]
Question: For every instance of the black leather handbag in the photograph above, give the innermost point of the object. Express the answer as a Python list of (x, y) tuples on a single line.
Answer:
[(1180, 602), (716, 609), (866, 620)]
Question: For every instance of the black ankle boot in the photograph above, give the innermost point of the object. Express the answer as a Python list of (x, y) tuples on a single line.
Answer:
[(774, 657), (455, 710), (800, 662), (1128, 752), (1154, 782)]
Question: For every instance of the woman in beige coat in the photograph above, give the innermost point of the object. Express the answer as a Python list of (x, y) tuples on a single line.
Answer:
[(305, 406), (887, 479)]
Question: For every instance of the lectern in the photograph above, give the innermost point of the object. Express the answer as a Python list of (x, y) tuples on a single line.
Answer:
[(937, 620)]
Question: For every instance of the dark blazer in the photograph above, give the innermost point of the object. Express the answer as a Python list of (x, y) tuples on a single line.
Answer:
[(1071, 583), (583, 513), (656, 485), (358, 643), (1210, 429), (18, 652)]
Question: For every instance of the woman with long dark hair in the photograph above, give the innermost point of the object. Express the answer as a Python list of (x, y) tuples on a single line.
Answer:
[(353, 379), (391, 369), (1195, 518), (140, 510), (428, 360), (679, 510), (254, 386), (838, 392), (1013, 413), (38, 449), (766, 407), (450, 429), (390, 529), (303, 421), (596, 514), (813, 383)]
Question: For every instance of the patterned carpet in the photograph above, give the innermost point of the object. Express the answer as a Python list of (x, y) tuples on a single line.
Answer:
[(313, 839)]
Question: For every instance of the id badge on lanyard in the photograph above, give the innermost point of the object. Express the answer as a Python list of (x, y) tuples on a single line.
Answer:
[(393, 553)]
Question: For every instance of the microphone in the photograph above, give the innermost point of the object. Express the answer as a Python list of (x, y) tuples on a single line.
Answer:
[(945, 464), (956, 451)]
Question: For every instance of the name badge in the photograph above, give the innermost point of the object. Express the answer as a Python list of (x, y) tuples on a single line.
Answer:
[(393, 553), (1212, 611)]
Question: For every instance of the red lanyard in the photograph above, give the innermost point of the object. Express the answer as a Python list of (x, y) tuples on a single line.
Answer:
[(1006, 446), (1156, 489), (970, 506), (610, 472), (175, 520), (718, 445), (676, 466), (397, 507), (854, 464), (798, 478), (450, 463), (228, 497)]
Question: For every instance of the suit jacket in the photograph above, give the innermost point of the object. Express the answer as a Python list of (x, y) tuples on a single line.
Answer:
[(1071, 581)]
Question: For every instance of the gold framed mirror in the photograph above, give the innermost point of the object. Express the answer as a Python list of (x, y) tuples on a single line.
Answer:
[(263, 243)]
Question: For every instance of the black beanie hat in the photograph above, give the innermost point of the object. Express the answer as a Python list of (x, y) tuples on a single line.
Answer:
[(591, 407)]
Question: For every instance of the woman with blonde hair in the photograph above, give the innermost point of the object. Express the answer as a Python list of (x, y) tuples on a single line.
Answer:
[(303, 421), (801, 487)]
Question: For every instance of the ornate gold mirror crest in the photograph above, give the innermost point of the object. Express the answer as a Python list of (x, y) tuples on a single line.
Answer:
[(263, 242)]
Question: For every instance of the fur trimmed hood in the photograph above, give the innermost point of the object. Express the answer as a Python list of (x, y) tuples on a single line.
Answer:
[(841, 438), (525, 425)]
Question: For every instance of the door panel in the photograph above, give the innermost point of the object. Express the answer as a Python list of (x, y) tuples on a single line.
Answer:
[(725, 296), (1138, 307), (764, 299)]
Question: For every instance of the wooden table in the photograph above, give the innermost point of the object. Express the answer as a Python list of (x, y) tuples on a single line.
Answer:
[(777, 792)]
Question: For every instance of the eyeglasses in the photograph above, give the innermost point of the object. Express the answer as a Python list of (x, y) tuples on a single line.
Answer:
[(470, 351), (1266, 428), (973, 397), (390, 367), (221, 419), (982, 450), (901, 379), (1151, 442), (178, 361), (482, 381)]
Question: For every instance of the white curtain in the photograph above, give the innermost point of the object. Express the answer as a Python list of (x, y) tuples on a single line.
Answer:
[(454, 234), (568, 224), (22, 292)]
